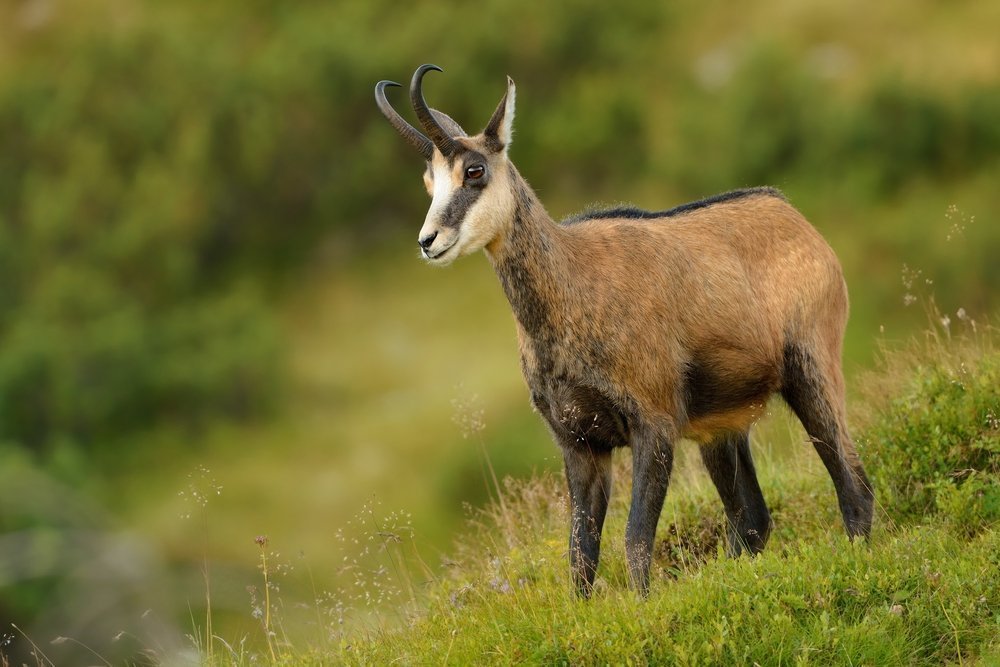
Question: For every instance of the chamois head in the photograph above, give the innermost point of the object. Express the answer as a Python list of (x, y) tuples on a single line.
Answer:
[(466, 177)]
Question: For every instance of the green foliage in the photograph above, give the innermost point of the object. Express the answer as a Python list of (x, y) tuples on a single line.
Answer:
[(122, 308), (936, 443), (779, 121), (84, 361), (972, 506)]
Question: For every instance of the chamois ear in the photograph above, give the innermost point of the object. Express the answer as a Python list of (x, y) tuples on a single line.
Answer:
[(500, 128), (448, 124)]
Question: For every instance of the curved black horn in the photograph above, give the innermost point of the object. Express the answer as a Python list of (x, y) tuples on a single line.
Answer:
[(414, 136), (441, 139)]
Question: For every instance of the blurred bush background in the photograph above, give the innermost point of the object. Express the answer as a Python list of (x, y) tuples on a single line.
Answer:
[(206, 245)]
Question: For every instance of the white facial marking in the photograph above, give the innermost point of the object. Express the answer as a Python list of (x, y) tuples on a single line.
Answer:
[(439, 252)]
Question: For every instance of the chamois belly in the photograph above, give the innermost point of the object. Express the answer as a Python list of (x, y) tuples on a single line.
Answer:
[(725, 397), (704, 430)]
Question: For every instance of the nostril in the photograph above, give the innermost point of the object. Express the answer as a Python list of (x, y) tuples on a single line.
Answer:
[(428, 240)]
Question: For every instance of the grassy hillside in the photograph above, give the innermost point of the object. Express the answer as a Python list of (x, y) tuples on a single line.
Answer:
[(925, 589)]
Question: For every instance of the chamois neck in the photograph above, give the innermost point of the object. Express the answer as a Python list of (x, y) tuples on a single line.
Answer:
[(529, 259)]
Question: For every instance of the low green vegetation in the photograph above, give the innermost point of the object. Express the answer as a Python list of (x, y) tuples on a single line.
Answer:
[(935, 445), (925, 589)]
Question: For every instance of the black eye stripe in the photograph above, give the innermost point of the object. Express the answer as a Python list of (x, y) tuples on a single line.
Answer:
[(459, 204)]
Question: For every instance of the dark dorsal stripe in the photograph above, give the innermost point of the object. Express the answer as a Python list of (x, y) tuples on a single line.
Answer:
[(633, 213)]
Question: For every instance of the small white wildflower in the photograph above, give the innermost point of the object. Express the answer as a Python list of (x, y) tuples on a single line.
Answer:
[(468, 415), (909, 276), (959, 221)]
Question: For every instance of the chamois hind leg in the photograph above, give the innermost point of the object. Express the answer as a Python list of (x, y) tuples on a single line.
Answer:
[(814, 389), (588, 474), (731, 468)]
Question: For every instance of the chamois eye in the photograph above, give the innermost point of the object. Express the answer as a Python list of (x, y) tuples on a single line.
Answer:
[(475, 171)]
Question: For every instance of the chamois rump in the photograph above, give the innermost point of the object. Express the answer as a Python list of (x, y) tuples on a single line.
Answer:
[(639, 328)]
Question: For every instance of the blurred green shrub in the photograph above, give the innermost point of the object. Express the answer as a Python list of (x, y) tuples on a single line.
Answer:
[(84, 359), (777, 120), (122, 226)]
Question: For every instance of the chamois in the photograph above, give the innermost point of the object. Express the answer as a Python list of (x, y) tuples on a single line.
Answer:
[(639, 328)]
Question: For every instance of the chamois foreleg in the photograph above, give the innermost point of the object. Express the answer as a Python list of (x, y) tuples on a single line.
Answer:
[(588, 474), (652, 461), (732, 471)]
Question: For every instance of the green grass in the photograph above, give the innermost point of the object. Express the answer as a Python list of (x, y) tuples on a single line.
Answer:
[(916, 595), (925, 589)]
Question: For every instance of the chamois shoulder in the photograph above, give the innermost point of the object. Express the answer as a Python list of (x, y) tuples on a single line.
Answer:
[(634, 213)]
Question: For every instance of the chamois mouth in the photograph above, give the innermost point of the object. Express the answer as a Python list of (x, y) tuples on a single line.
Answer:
[(436, 256)]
